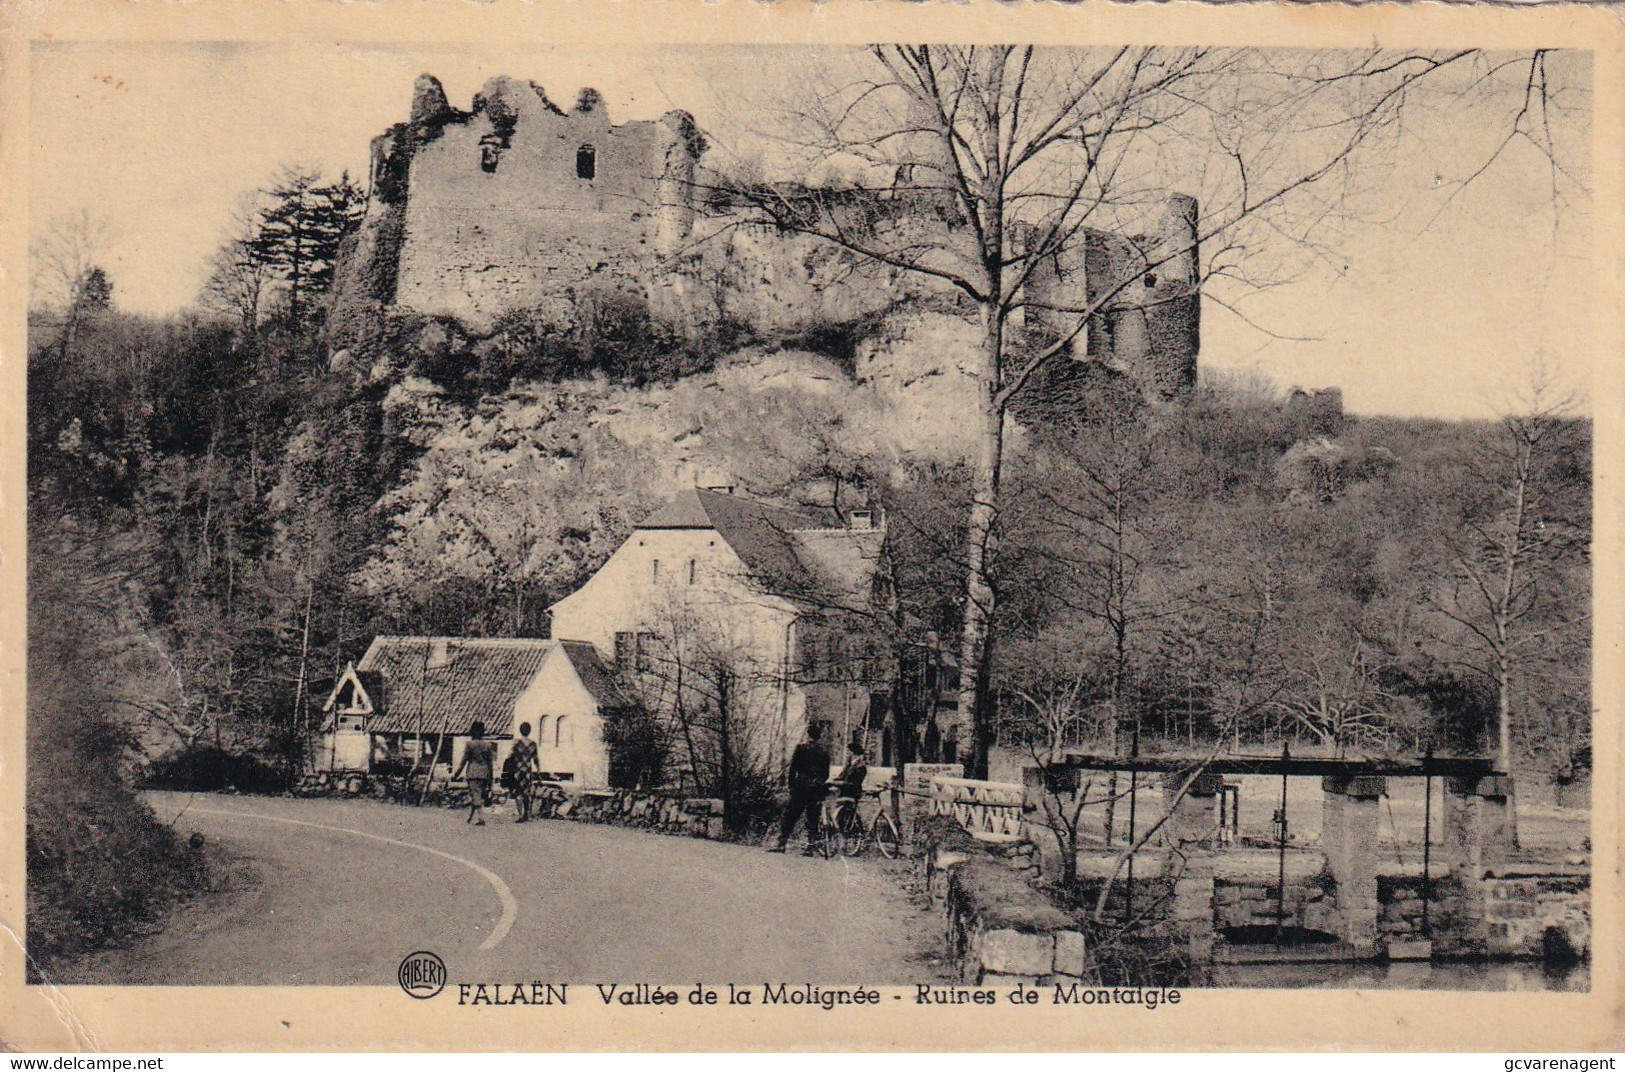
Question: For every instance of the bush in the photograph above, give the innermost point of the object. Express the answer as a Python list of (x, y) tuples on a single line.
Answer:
[(99, 865), (99, 862), (597, 331), (1139, 957), (637, 748), (212, 770), (752, 803)]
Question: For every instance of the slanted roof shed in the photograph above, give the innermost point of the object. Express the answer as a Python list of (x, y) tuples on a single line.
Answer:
[(481, 679)]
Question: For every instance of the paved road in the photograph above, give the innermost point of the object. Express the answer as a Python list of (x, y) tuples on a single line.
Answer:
[(341, 890)]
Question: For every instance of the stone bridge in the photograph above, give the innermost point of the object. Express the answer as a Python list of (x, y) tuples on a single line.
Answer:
[(1473, 897)]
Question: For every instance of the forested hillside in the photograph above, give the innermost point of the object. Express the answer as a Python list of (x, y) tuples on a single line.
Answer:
[(227, 504), (1238, 562)]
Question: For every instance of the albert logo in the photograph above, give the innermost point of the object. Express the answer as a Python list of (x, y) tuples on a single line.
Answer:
[(422, 974)]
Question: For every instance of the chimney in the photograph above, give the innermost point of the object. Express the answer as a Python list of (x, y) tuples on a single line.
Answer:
[(439, 654)]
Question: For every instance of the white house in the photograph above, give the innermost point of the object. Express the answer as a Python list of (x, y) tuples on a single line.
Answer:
[(786, 597), (420, 696)]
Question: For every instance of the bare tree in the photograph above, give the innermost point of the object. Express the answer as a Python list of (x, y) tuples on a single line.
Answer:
[(67, 282), (240, 278), (1334, 692), (1020, 152), (1504, 557), (718, 698)]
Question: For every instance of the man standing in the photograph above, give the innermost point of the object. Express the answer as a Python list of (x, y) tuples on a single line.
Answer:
[(809, 772)]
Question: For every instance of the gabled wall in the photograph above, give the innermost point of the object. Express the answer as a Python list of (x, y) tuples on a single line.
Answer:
[(557, 693), (721, 613)]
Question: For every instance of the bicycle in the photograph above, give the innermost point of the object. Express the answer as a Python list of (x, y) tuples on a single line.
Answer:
[(846, 833), (829, 819)]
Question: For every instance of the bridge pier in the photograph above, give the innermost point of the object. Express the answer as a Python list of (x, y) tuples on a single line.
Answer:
[(1348, 837), (1476, 829), (1193, 907), (1194, 818)]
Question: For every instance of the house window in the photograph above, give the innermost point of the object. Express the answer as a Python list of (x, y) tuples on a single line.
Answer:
[(541, 730), (352, 723), (586, 162), (625, 649), (691, 571), (562, 732), (645, 652)]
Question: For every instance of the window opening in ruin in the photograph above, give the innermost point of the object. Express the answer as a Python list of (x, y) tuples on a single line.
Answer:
[(691, 571), (491, 146), (1150, 280), (586, 162), (654, 573), (563, 732)]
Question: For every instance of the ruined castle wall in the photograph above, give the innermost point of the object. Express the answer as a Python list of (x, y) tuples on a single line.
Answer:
[(475, 214), (490, 227), (1149, 326), (781, 282), (1146, 288)]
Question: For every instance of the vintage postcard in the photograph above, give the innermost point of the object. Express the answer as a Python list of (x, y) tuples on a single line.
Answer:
[(676, 525)]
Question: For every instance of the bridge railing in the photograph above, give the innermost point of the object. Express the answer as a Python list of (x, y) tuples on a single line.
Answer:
[(983, 808)]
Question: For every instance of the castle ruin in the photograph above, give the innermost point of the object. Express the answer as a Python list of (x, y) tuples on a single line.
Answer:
[(519, 205)]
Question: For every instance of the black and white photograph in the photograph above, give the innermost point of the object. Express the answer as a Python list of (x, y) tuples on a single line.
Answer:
[(627, 523)]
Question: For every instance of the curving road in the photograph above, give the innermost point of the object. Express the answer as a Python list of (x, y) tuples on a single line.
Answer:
[(341, 890)]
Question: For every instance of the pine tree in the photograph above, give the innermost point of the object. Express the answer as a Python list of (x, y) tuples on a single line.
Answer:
[(300, 231), (96, 294)]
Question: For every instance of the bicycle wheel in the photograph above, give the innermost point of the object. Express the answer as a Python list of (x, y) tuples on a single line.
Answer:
[(831, 840), (849, 828), (886, 839)]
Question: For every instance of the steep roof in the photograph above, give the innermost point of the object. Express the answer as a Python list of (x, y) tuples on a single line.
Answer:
[(481, 681), (798, 553), (594, 676), (845, 559)]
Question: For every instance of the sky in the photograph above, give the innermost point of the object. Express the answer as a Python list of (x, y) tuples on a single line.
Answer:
[(1427, 307)]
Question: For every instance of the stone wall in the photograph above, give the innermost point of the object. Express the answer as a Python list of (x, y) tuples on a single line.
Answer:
[(699, 817), (1547, 915), (1308, 905), (997, 927), (1213, 899)]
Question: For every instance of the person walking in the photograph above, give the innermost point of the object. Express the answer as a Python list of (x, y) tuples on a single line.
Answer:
[(526, 767), (809, 772), (479, 761)]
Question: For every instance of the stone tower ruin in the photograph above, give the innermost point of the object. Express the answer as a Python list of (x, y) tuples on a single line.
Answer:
[(519, 204), (473, 213)]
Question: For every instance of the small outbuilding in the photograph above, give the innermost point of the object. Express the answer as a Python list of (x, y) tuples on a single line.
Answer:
[(415, 699)]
